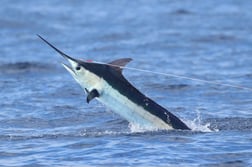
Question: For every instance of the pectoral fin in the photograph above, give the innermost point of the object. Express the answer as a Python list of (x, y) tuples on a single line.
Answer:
[(92, 94)]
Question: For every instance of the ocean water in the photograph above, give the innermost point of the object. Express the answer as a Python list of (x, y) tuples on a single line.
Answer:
[(45, 121)]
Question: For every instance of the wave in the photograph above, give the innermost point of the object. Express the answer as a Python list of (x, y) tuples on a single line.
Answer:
[(182, 12), (233, 123), (209, 125), (23, 67)]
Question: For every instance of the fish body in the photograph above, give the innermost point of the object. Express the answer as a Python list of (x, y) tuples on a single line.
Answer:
[(106, 83)]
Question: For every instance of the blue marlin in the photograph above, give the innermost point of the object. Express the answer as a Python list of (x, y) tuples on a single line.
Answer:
[(106, 83)]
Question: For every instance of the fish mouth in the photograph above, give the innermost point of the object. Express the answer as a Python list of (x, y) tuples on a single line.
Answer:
[(69, 69), (72, 62)]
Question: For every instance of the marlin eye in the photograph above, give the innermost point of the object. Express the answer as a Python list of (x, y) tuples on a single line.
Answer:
[(78, 68)]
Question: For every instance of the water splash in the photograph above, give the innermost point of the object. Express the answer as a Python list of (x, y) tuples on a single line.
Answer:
[(100, 133), (197, 124), (136, 128)]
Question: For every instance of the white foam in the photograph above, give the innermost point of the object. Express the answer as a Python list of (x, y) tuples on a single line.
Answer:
[(197, 125), (136, 128)]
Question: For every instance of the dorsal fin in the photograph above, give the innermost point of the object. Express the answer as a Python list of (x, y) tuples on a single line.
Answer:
[(119, 63)]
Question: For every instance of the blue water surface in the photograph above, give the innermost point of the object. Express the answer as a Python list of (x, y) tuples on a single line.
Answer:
[(44, 118)]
